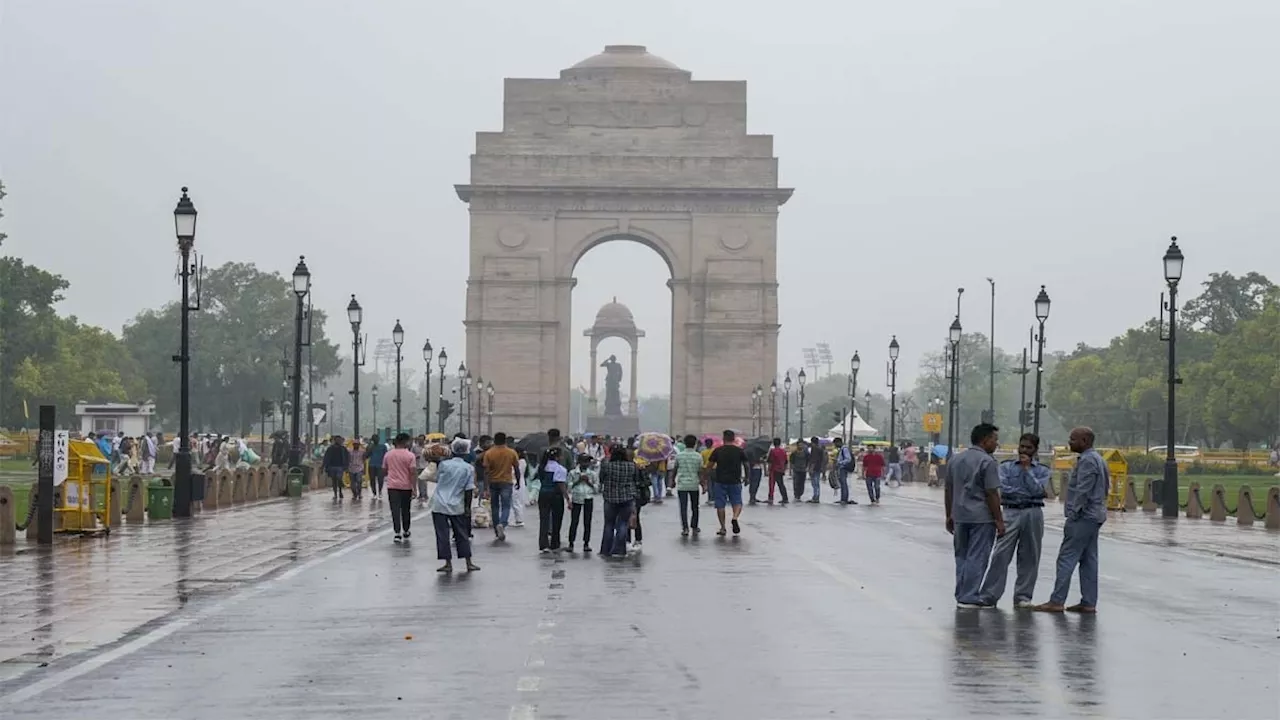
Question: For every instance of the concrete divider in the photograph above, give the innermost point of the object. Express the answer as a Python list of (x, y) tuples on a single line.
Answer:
[(212, 490), (8, 516), (1244, 507), (263, 479), (250, 484), (1195, 508), (1130, 495), (1148, 502), (1218, 504), (237, 487), (115, 512), (136, 500), (1273, 508), (226, 488), (277, 486)]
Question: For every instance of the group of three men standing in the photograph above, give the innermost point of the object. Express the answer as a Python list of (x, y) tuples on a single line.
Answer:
[(1000, 505)]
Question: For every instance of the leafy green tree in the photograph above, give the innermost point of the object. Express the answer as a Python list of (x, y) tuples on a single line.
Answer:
[(1227, 300), (87, 364), (237, 339), (1243, 388)]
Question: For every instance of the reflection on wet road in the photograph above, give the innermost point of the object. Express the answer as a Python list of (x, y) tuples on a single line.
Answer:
[(814, 612)]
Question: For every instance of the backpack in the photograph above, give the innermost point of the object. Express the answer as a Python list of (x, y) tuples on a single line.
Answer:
[(644, 491), (847, 464)]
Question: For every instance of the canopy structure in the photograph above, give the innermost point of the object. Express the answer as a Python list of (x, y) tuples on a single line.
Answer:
[(860, 427)]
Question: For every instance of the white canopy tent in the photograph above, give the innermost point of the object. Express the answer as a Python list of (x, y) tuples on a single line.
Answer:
[(860, 427)]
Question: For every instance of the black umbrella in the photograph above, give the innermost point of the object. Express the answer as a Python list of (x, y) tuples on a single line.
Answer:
[(758, 448), (533, 443)]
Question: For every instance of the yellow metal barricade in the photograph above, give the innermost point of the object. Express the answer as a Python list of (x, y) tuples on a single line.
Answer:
[(1119, 469), (85, 499)]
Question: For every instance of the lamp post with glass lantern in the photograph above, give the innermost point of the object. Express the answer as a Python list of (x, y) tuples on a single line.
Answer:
[(773, 408), (329, 411), (866, 398), (443, 362), (426, 387), (1173, 260), (397, 339), (1042, 314), (953, 336), (490, 391), (184, 222), (464, 412), (855, 364), (786, 408), (894, 349), (374, 392), (801, 377), (301, 288), (355, 315)]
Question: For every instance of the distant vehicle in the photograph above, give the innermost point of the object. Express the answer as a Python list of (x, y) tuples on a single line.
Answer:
[(1182, 452)]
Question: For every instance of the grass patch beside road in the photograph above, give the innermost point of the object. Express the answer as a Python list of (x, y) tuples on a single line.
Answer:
[(1230, 483)]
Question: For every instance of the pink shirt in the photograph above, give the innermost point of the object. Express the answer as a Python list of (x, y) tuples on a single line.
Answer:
[(402, 469)]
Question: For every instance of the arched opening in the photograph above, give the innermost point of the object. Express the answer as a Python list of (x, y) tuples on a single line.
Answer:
[(632, 274)]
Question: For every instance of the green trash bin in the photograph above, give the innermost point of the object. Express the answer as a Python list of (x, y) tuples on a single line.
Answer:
[(295, 482), (160, 500)]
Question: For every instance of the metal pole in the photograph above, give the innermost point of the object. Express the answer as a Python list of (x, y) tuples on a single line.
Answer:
[(44, 477), (801, 411), (893, 401), (426, 421), (399, 426), (182, 463), (355, 380), (786, 413), (1169, 492), (295, 445), (853, 405), (440, 411), (1022, 404), (1035, 427), (991, 401), (773, 413)]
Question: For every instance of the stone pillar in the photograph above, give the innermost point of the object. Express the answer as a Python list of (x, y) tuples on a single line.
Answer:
[(8, 516), (632, 404), (592, 400)]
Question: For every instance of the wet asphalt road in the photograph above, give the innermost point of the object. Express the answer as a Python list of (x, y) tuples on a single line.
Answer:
[(814, 612)]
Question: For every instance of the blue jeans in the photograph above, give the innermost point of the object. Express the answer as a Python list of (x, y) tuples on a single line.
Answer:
[(873, 488), (815, 479), (1079, 547), (499, 504), (655, 480), (616, 517), (972, 542), (842, 476)]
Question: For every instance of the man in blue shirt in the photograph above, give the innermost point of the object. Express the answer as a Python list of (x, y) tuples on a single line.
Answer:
[(974, 516), (1022, 484), (1086, 510)]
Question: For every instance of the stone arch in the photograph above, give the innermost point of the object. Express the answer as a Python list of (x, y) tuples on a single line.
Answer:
[(638, 235)]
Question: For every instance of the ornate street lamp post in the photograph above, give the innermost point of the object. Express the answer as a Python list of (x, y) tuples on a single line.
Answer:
[(184, 222), (491, 393), (397, 339), (301, 288), (443, 362), (1173, 260), (773, 408), (855, 364), (801, 378), (374, 392), (355, 315), (893, 389), (1042, 314), (953, 336), (786, 408), (464, 412), (330, 412)]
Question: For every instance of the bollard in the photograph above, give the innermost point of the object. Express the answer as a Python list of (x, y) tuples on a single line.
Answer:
[(8, 517), (1148, 503), (1273, 508), (1195, 509), (263, 480), (1218, 504), (1130, 495), (1244, 507), (237, 487), (274, 473), (250, 485), (212, 488), (226, 488), (136, 511), (116, 513)]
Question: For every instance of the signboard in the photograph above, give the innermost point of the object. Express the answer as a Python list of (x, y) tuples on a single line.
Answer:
[(61, 456), (73, 499), (317, 415), (932, 422)]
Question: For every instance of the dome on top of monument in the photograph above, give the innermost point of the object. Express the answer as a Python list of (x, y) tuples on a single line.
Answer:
[(615, 314), (635, 57)]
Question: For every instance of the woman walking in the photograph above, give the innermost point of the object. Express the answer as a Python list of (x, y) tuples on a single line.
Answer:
[(553, 497), (400, 467), (355, 469), (582, 490), (618, 480)]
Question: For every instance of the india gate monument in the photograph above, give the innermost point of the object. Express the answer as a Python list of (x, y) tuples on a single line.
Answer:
[(624, 145)]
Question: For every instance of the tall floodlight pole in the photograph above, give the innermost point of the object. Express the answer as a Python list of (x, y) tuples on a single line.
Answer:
[(786, 407), (301, 288), (426, 392), (1173, 260), (953, 335), (184, 221), (991, 398), (855, 364), (397, 339), (893, 388), (443, 362), (1042, 314), (355, 315), (773, 408)]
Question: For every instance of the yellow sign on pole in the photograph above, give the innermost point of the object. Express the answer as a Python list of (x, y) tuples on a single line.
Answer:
[(932, 422)]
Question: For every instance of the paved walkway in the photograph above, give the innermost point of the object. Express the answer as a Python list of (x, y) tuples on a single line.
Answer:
[(814, 612)]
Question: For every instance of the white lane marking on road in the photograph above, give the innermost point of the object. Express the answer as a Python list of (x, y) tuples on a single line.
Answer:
[(523, 712), (535, 660), (546, 623), (166, 629), (528, 683)]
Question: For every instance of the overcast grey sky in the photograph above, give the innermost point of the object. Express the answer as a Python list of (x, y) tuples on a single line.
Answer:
[(931, 144)]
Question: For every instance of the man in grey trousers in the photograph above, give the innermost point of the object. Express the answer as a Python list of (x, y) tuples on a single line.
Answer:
[(1022, 491), (974, 516), (1086, 511)]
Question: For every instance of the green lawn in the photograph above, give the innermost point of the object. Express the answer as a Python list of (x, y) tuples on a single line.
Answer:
[(16, 465), (1231, 483)]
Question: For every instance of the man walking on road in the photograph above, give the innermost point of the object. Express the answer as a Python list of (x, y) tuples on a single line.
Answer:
[(872, 471), (499, 463), (1086, 511), (1022, 484), (893, 466), (777, 460), (799, 467), (973, 511), (729, 469), (844, 468), (817, 467)]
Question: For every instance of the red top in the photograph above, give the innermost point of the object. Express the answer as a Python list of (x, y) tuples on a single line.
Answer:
[(873, 465), (777, 460)]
